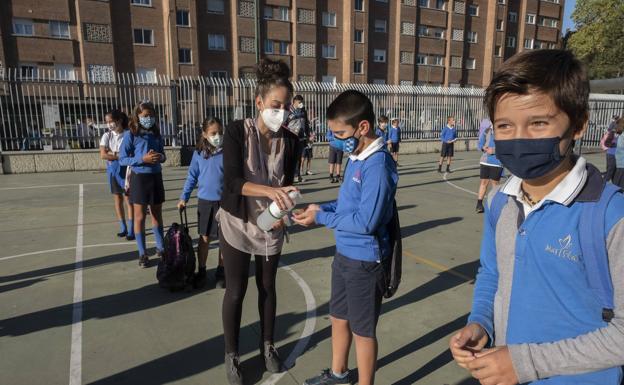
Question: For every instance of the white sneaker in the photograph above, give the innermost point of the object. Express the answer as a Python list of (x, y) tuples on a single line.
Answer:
[(309, 173)]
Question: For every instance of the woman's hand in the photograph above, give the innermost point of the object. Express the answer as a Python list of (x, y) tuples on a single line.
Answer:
[(151, 157), (280, 196), (308, 216), (278, 225), (181, 204)]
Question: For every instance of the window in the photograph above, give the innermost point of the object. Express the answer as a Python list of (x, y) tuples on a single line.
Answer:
[(423, 3), (216, 42), (23, 27), (513, 17), (499, 24), (408, 28), (358, 36), (498, 51), (406, 83), (379, 81), (305, 78), (552, 45), (379, 56), (471, 37), (269, 46), (548, 22), (247, 44), (64, 72), (329, 19), (471, 63), (143, 36), (268, 12), (359, 5), (219, 74), (28, 70), (306, 49), (460, 7), (382, 1), (358, 67), (411, 3), (440, 4), (216, 6), (329, 79), (146, 3), (184, 56), (501, 2), (423, 30), (283, 13), (305, 16), (101, 73), (437, 60), (59, 29), (421, 59), (182, 18), (458, 34), (407, 57), (511, 42), (380, 26), (426, 31), (246, 9), (473, 10), (329, 51), (456, 61), (528, 43), (98, 33), (438, 33), (146, 75), (283, 47), (530, 18)]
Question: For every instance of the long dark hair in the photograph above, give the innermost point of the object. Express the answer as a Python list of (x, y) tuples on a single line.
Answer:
[(203, 146), (135, 125), (120, 117)]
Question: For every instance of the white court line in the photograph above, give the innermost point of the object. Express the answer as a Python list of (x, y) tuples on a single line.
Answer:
[(75, 362), (308, 328), (49, 185), (456, 186)]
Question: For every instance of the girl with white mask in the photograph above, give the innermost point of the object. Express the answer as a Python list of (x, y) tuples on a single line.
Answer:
[(259, 158)]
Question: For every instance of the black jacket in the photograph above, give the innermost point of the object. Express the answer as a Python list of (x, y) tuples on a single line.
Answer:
[(233, 162)]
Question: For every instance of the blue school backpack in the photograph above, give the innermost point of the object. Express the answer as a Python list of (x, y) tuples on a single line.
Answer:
[(591, 239)]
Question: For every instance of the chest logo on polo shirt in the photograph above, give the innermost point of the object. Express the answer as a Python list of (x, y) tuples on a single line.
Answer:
[(357, 176), (564, 250)]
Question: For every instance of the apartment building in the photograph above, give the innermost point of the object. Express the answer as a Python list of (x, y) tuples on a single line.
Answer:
[(447, 42)]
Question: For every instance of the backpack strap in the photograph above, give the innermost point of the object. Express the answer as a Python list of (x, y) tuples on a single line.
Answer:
[(496, 207), (594, 249)]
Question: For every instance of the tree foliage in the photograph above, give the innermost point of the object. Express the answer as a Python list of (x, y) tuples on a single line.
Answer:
[(599, 37)]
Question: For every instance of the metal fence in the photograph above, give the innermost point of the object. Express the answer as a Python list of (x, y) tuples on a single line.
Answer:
[(47, 111)]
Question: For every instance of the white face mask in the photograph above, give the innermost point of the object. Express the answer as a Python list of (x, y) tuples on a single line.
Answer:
[(112, 126), (300, 105), (216, 140), (274, 118)]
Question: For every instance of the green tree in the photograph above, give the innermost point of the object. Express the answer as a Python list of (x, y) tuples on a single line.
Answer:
[(599, 37)]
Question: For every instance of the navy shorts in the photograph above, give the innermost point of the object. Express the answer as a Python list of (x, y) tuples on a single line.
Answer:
[(448, 149), (394, 147), (490, 172), (356, 291), (335, 155)]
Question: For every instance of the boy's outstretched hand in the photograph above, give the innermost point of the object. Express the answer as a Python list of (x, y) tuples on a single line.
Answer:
[(467, 342), (307, 216), (493, 367)]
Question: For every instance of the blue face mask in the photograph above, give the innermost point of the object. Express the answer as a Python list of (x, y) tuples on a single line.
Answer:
[(530, 158), (147, 121), (349, 144)]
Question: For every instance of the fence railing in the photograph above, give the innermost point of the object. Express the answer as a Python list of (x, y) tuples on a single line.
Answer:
[(47, 111)]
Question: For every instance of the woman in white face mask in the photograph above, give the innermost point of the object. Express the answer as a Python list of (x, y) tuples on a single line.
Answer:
[(206, 170), (259, 158)]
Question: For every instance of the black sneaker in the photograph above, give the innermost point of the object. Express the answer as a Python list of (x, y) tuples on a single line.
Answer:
[(440, 169), (232, 369), (271, 358), (122, 234), (199, 279), (327, 378), (220, 277), (130, 237), (448, 169), (480, 209), (143, 261), (334, 180)]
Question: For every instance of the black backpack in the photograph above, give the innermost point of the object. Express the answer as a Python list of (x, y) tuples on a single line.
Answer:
[(177, 265), (393, 263)]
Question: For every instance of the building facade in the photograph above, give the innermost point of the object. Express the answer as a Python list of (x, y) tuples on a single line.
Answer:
[(441, 42)]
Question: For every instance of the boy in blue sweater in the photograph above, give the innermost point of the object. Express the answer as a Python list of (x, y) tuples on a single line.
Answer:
[(534, 305), (394, 138), (491, 169), (448, 137), (360, 219)]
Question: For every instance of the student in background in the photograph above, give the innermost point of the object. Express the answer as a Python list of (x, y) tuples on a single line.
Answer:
[(448, 137), (618, 175), (608, 143), (300, 125), (143, 149), (360, 219), (394, 137), (306, 158), (110, 144), (491, 169), (206, 169), (382, 129), (336, 152), (538, 315)]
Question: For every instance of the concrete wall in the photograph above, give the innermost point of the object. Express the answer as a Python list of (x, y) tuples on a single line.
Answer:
[(20, 162)]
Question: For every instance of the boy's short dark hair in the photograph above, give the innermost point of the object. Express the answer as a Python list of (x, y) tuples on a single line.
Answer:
[(298, 98), (383, 119), (352, 107), (556, 73)]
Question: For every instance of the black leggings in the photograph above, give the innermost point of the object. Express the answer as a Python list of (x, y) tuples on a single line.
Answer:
[(236, 264)]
